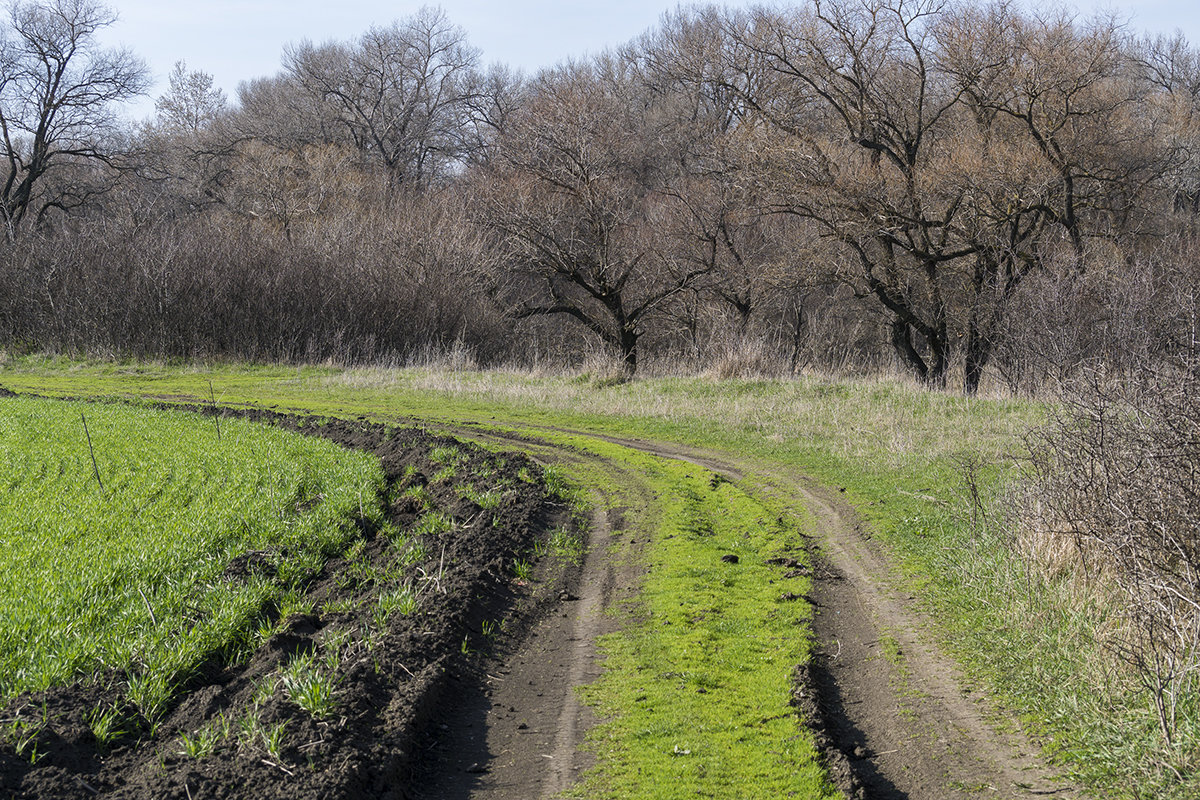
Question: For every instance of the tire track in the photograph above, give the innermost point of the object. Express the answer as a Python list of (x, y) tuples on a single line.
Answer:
[(894, 704), (524, 741)]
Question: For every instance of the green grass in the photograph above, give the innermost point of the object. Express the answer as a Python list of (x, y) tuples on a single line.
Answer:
[(566, 545), (695, 696), (310, 686), (126, 583)]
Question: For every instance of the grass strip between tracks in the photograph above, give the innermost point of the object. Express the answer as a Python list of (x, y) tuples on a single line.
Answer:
[(694, 700)]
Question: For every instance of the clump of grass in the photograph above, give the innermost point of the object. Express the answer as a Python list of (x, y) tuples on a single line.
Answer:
[(272, 737), (400, 600), (555, 481), (104, 723), (22, 730), (418, 494), (566, 545), (522, 570), (253, 735), (149, 693), (450, 458), (341, 605), (309, 686), (557, 486), (488, 500), (434, 523), (203, 742), (414, 553), (445, 454)]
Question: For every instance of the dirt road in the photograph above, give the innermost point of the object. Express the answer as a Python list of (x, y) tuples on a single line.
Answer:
[(893, 713), (896, 717)]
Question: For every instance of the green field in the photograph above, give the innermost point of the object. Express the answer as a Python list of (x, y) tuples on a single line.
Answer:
[(123, 582)]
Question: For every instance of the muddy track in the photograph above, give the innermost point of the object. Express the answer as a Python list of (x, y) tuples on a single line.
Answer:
[(520, 735), (900, 715), (892, 711)]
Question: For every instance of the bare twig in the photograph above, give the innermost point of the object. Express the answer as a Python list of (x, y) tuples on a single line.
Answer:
[(216, 416), (148, 608), (92, 450), (278, 766)]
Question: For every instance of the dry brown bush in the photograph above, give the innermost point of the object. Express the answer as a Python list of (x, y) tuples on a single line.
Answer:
[(1116, 474)]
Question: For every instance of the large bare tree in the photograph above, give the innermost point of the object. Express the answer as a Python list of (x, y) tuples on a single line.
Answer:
[(402, 94), (576, 191), (58, 87)]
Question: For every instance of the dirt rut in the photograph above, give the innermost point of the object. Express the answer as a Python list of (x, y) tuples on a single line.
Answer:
[(518, 735)]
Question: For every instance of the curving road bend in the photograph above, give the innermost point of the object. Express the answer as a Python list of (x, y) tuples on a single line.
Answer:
[(898, 719)]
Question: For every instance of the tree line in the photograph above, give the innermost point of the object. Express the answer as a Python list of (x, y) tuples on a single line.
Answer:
[(956, 189)]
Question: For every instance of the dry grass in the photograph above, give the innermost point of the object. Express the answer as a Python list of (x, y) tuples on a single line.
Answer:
[(886, 420)]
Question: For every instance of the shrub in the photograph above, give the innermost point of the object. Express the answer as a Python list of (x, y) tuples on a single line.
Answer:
[(1116, 473)]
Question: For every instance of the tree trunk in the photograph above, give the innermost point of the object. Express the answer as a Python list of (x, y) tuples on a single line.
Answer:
[(628, 350), (903, 344), (799, 333), (979, 352)]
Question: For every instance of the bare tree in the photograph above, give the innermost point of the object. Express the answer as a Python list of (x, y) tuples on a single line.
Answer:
[(279, 111), (1170, 68), (401, 94), (57, 89), (852, 92), (574, 194), (191, 104), (723, 221)]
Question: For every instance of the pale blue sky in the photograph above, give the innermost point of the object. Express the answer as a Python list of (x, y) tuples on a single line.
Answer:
[(235, 40)]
